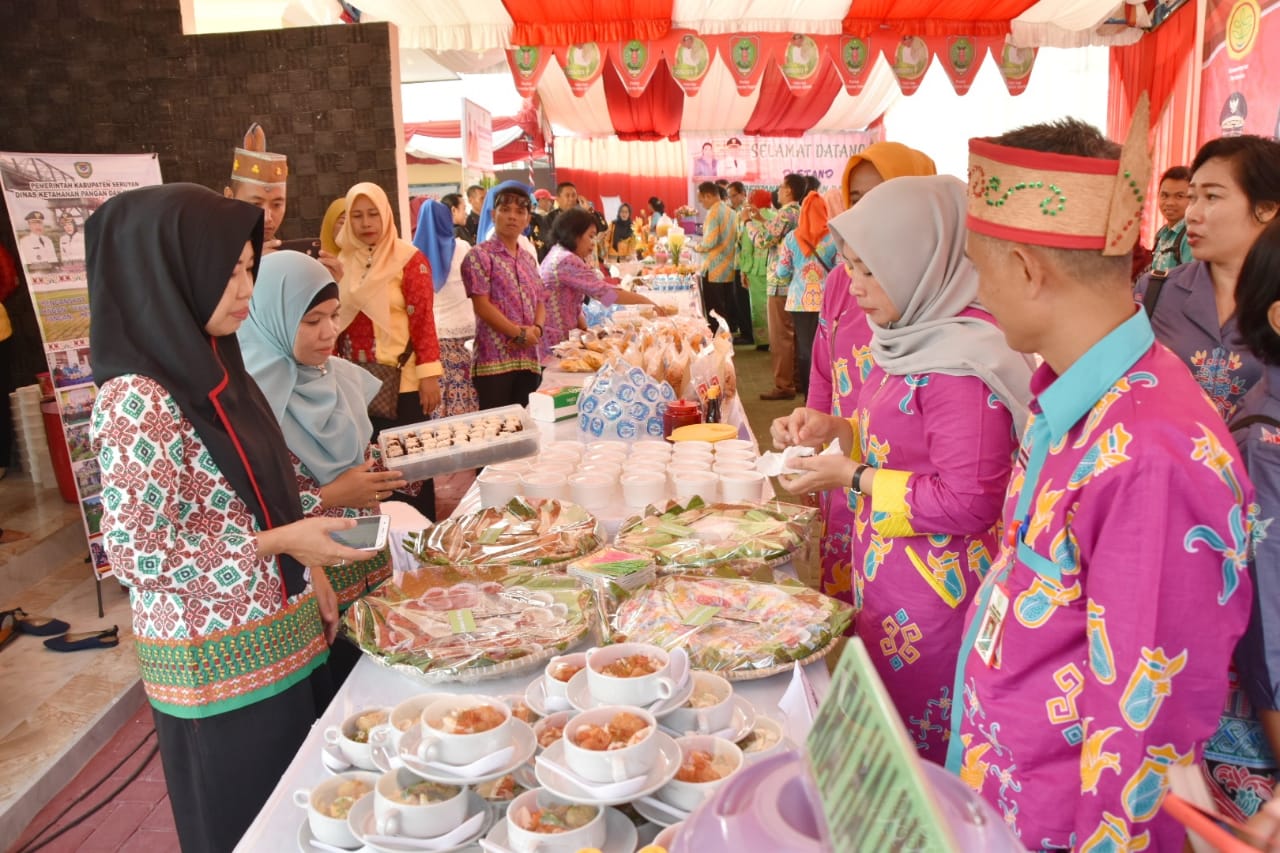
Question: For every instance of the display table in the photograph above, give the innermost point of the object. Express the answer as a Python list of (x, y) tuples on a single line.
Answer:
[(276, 827)]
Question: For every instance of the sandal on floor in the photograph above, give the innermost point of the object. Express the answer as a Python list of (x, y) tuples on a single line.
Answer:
[(8, 628), (40, 626), (91, 640)]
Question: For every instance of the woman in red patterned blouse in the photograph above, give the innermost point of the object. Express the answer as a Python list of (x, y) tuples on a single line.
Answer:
[(387, 300)]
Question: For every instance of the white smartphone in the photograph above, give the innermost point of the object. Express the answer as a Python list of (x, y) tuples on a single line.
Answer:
[(369, 534)]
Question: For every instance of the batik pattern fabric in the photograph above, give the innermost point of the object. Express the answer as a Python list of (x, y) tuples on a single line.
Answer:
[(513, 285), (768, 240), (841, 363), (457, 394), (1123, 568), (1171, 248), (350, 581), (213, 629), (566, 281), (805, 275), (1186, 321), (943, 448), (1239, 765)]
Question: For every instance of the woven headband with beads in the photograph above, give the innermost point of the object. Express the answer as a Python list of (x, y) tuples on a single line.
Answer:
[(1060, 200)]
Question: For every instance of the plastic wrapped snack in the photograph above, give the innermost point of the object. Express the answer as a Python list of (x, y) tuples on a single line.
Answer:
[(737, 628), (699, 535), (525, 532), (468, 631)]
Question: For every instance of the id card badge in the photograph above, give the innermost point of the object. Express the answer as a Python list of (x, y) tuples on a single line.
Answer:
[(991, 629)]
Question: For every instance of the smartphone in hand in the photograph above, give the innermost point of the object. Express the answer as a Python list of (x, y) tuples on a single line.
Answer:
[(369, 534), (307, 245)]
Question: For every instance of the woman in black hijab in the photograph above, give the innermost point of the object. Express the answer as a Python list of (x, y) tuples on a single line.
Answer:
[(622, 245), (202, 520)]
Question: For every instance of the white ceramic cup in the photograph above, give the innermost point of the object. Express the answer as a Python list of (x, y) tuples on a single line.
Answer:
[(687, 796), (521, 840), (386, 739), (704, 484), (513, 466), (454, 748), (559, 719), (395, 817), (317, 800), (555, 687), (709, 718), (740, 486), (610, 765), (734, 445), (640, 488), (498, 487), (636, 690), (544, 484), (771, 737), (592, 489), (356, 752)]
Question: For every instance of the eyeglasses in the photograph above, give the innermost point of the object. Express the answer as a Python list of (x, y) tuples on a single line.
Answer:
[(519, 200)]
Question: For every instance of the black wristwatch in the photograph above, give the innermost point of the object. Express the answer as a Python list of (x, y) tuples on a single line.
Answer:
[(857, 478)]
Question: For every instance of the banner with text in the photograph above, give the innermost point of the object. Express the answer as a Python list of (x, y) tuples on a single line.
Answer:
[(1238, 94), (49, 197), (762, 161)]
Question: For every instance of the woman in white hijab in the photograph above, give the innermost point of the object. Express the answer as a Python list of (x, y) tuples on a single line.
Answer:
[(929, 447)]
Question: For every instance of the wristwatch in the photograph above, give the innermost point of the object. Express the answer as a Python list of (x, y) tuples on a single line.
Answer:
[(857, 478)]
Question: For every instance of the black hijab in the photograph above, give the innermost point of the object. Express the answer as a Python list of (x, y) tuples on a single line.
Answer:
[(622, 227), (158, 262)]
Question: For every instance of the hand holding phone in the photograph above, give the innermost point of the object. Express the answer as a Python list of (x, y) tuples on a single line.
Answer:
[(307, 245), (369, 534)]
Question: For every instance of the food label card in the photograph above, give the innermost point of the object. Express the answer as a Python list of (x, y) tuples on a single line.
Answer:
[(873, 791)]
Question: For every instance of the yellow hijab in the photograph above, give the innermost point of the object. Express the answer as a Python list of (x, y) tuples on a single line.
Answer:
[(892, 160), (327, 240), (369, 272)]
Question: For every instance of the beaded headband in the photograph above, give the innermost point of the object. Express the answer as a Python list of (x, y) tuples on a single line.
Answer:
[(1061, 200), (253, 164)]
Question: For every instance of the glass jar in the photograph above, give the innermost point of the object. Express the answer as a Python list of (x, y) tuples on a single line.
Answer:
[(679, 413)]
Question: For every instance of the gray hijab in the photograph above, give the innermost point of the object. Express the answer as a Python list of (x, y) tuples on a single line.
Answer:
[(910, 233)]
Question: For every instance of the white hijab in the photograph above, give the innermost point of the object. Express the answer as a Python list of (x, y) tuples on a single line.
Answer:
[(910, 233)]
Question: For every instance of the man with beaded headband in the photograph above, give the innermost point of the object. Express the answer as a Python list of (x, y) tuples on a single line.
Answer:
[(1095, 654)]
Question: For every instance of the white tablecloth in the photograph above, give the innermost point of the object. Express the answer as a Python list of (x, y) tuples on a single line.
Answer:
[(276, 828)]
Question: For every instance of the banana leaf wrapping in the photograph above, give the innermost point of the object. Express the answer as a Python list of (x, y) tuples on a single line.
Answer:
[(525, 532), (738, 628), (702, 536), (468, 631)]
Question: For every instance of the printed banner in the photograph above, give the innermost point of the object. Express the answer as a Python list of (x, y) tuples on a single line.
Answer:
[(910, 60), (477, 138), (961, 57), (801, 60), (1015, 65), (689, 58), (527, 64), (854, 60), (49, 197), (582, 64), (744, 55), (1238, 93), (635, 61), (763, 161)]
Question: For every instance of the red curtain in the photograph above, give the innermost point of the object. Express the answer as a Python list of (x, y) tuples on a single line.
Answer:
[(635, 191), (934, 17), (655, 114), (781, 112), (1156, 64), (562, 22)]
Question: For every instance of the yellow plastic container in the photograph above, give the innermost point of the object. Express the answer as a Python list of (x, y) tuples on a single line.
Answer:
[(705, 432)]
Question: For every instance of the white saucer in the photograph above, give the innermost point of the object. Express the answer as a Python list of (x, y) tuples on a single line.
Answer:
[(621, 835), (579, 694), (334, 762), (361, 823), (522, 738), (658, 816), (664, 770), (305, 838), (740, 724), (535, 696)]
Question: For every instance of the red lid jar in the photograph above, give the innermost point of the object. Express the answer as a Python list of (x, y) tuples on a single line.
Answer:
[(680, 413)]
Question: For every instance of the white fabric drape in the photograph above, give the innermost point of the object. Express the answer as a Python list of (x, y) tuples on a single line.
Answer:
[(444, 24), (570, 115), (713, 17), (661, 158), (1072, 23), (718, 105), (850, 112)]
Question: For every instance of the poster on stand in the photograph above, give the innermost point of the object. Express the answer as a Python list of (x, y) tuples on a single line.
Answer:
[(49, 197), (477, 138), (1238, 94)]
